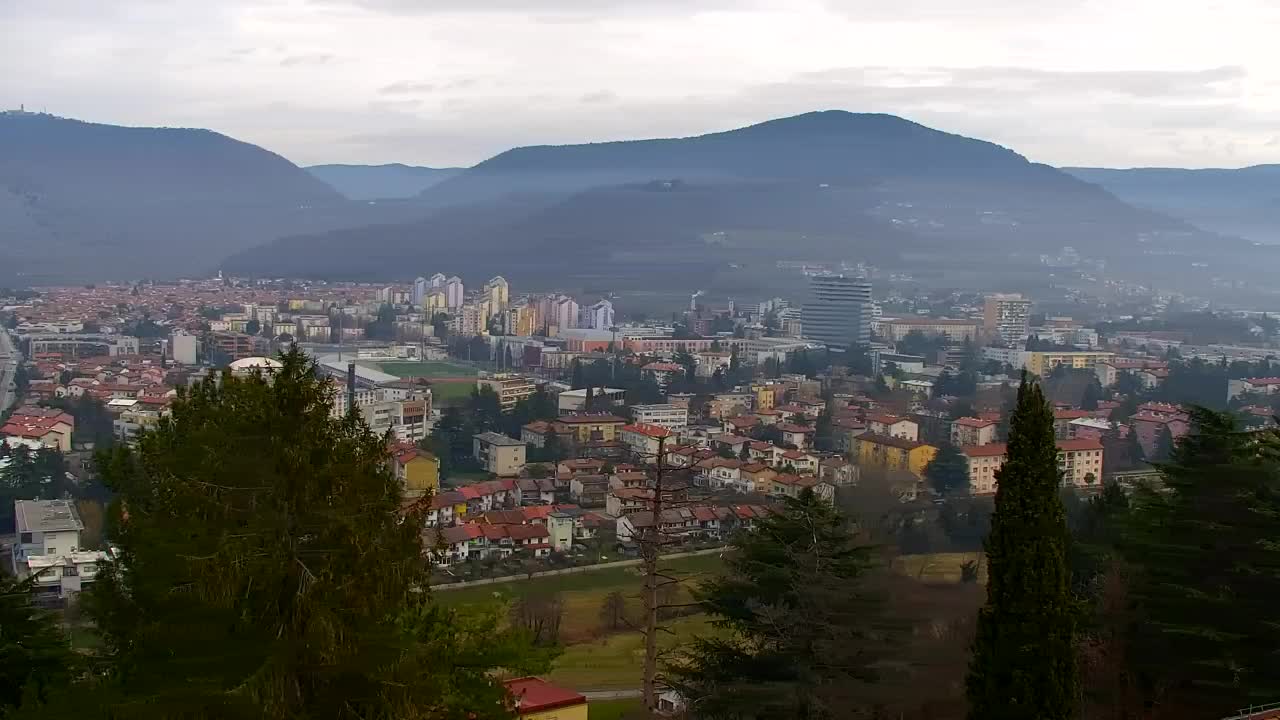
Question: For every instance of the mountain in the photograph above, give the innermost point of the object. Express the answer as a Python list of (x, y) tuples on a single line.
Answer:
[(1243, 202), (85, 201), (376, 182), (732, 208)]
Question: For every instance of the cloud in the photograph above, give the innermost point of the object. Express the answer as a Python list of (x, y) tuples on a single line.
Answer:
[(405, 87), (599, 96), (307, 59)]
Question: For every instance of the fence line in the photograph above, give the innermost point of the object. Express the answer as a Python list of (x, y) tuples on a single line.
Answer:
[(566, 571)]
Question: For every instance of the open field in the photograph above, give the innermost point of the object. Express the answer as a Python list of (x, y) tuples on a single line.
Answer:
[(426, 369), (614, 662), (446, 393), (939, 567), (611, 709)]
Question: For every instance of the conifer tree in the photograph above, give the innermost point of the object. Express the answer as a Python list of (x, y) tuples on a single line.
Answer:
[(268, 569), (34, 654), (801, 632), (948, 473), (1024, 663)]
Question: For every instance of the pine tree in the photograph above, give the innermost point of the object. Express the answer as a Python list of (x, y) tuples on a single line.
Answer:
[(1024, 665), (34, 655), (268, 569), (802, 634), (1164, 444), (948, 472), (1206, 580)]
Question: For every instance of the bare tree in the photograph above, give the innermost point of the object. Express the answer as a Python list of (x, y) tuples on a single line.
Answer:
[(541, 615), (613, 612)]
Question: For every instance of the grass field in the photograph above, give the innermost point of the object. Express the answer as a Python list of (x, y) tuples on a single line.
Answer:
[(446, 394), (427, 369), (615, 662), (611, 709), (939, 567)]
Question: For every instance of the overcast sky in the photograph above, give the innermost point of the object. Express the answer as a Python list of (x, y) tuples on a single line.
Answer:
[(443, 82)]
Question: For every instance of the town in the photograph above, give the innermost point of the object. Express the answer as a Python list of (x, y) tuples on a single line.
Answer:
[(537, 434)]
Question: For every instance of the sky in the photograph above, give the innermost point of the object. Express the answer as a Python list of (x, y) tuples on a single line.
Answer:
[(1115, 83)]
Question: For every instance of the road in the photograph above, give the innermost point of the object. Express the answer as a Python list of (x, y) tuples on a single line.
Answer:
[(9, 359)]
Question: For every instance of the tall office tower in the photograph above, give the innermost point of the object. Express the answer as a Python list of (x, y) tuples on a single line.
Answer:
[(1006, 317), (419, 290), (598, 316), (435, 302), (497, 291), (438, 280), (838, 314), (454, 292)]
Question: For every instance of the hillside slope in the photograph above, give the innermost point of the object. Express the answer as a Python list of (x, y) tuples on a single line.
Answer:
[(377, 182), (87, 201), (821, 187), (1244, 201)]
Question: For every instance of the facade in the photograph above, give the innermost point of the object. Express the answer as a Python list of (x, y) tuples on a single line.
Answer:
[(183, 347), (1006, 317), (417, 470), (1079, 462), (454, 292), (839, 313), (672, 417), (956, 331), (599, 316), (645, 441), (892, 453), (499, 454), (591, 427), (509, 387), (893, 426), (970, 431), (1042, 363)]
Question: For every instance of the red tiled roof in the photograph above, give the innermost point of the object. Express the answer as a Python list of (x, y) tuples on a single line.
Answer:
[(653, 431), (1070, 414), (973, 422), (988, 450), (590, 419), (533, 695), (1079, 444)]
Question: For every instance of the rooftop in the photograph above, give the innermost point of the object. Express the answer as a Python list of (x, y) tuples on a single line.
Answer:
[(493, 438), (46, 516), (533, 694)]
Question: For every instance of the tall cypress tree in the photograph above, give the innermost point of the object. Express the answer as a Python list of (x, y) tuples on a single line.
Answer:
[(1024, 663), (268, 569)]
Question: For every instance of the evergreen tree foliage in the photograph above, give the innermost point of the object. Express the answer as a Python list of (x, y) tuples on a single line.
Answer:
[(948, 472), (1208, 570), (1024, 664), (268, 569), (1164, 444), (800, 631), (34, 655)]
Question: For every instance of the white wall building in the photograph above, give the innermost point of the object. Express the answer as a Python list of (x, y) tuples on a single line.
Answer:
[(672, 417), (184, 347)]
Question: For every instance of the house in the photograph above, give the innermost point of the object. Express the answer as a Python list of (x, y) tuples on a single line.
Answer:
[(676, 525), (50, 427), (625, 501), (646, 441), (536, 491), (537, 699), (838, 471), (893, 426), (971, 431), (757, 477), (592, 427), (800, 436), (803, 462), (1062, 419), (47, 546), (663, 372), (417, 470), (1079, 461), (445, 508), (537, 432), (499, 454), (894, 453), (743, 423), (718, 472), (589, 490), (1152, 420)]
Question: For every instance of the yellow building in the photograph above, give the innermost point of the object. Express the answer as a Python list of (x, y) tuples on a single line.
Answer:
[(765, 397), (537, 699), (591, 428), (893, 453), (417, 470), (1042, 362)]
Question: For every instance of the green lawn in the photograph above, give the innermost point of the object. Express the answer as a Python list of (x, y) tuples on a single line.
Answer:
[(611, 709), (615, 662), (446, 394), (426, 369), (939, 567)]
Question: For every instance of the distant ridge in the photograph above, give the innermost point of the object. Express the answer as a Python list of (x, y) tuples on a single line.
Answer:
[(376, 182)]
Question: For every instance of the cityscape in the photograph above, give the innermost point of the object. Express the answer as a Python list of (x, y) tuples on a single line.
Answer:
[(561, 360)]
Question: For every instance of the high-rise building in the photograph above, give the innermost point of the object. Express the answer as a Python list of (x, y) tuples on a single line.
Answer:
[(184, 347), (435, 302), (566, 313), (598, 316), (419, 290), (838, 314), (454, 292), (1006, 317), (497, 291), (438, 280)]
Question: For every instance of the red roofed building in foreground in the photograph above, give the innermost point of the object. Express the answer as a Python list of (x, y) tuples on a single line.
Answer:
[(644, 440), (536, 699), (1080, 461)]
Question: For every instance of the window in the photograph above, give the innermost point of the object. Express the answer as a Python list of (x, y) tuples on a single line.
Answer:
[(51, 550), (26, 538), (69, 572)]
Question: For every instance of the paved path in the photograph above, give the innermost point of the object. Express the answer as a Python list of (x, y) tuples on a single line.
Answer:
[(568, 571)]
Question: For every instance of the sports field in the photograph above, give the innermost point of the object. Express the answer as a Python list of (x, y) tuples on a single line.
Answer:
[(426, 369)]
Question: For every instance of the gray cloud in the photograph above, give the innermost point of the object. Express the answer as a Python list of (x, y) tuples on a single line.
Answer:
[(599, 96), (307, 59), (408, 88)]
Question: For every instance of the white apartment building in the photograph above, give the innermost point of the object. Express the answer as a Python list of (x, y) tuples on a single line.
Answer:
[(1006, 317), (672, 417), (48, 547)]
